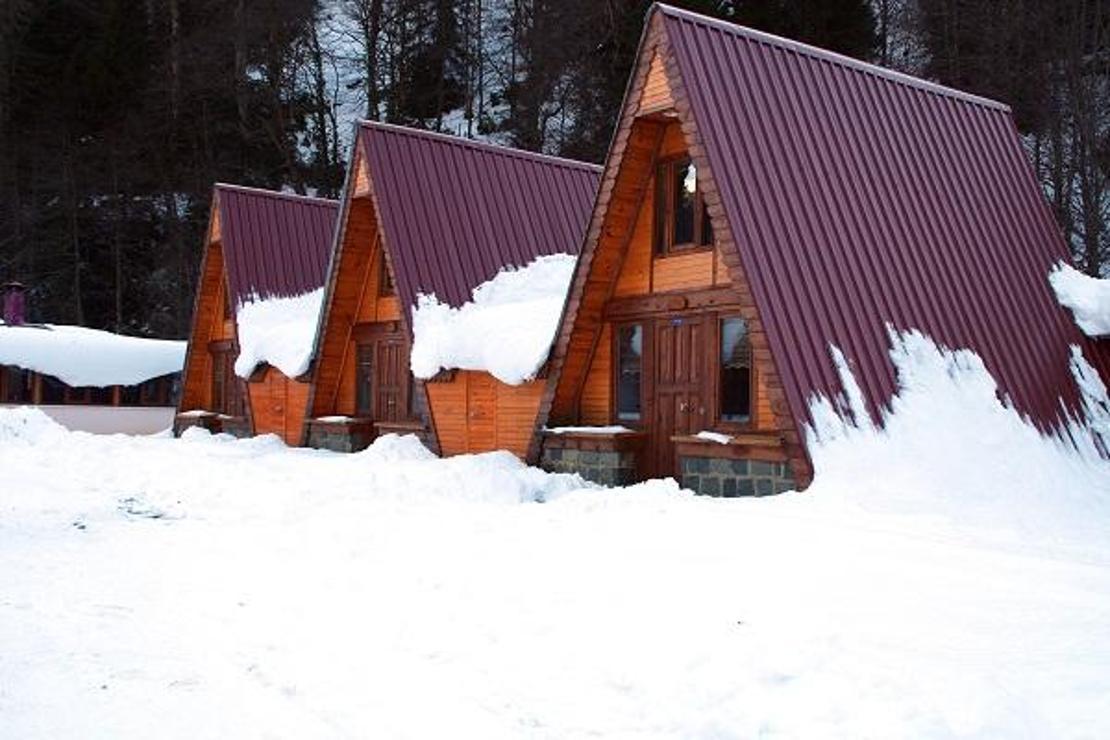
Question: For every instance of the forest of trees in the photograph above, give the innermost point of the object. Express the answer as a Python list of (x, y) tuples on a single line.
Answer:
[(116, 116)]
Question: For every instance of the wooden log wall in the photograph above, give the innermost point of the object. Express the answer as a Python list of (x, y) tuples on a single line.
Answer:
[(278, 405), (474, 412), (208, 326)]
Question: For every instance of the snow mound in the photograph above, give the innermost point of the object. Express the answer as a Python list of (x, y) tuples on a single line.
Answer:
[(82, 357), (26, 425), (396, 448), (402, 469), (949, 448), (279, 331), (506, 330), (1087, 297)]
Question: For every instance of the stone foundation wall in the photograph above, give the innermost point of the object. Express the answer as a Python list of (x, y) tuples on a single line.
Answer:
[(236, 427), (181, 423), (339, 438), (607, 467), (714, 476)]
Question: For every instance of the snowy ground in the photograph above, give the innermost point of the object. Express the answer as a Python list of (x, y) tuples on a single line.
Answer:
[(208, 588)]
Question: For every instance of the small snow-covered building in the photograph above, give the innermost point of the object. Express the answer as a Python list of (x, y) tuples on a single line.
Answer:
[(764, 202), (86, 379), (255, 315), (449, 275)]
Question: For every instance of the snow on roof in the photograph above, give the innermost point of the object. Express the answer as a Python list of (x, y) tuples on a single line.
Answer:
[(1087, 297), (279, 332), (89, 357), (506, 330)]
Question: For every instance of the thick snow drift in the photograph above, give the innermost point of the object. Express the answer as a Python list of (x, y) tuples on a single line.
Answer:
[(506, 330), (945, 577), (949, 447), (89, 357), (278, 331), (1087, 297)]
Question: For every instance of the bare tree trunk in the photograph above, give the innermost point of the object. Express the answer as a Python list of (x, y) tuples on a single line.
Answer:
[(240, 20), (70, 190), (117, 245), (175, 58), (373, 88)]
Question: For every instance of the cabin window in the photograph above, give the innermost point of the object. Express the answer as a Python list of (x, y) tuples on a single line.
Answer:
[(736, 371), (364, 380), (630, 352), (681, 217)]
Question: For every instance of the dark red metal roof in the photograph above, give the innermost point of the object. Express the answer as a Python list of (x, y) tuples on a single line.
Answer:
[(861, 198), (455, 212), (274, 244)]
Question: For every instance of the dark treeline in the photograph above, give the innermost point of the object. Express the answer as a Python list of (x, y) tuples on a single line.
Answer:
[(116, 116)]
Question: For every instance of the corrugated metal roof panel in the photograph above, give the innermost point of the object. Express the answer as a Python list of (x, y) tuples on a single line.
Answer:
[(455, 212), (274, 244), (859, 198)]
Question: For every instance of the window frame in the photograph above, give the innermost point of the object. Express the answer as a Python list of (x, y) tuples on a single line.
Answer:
[(718, 368), (369, 348), (614, 379), (663, 216)]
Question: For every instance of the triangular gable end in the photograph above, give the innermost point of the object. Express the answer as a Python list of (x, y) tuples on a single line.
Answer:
[(208, 325), (353, 295), (656, 95), (729, 253), (355, 238), (654, 98)]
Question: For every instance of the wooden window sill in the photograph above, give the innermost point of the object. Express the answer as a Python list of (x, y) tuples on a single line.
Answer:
[(598, 441), (742, 446)]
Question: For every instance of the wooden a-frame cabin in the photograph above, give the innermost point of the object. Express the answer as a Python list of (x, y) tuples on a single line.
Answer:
[(259, 245), (763, 202), (429, 214)]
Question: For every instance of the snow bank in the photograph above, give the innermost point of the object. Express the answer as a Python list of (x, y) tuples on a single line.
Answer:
[(89, 357), (506, 330), (1087, 297), (950, 448), (214, 587), (27, 425), (279, 331)]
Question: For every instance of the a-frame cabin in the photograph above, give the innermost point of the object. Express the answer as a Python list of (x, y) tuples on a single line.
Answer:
[(429, 214), (260, 245), (762, 202)]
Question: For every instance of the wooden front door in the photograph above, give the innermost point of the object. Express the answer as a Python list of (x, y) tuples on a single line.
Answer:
[(382, 377), (392, 378), (680, 360)]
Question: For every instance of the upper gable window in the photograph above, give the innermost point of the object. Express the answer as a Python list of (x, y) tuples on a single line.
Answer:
[(681, 217)]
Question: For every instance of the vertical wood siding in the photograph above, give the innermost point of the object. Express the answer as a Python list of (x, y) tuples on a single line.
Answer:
[(278, 405), (657, 91), (474, 412)]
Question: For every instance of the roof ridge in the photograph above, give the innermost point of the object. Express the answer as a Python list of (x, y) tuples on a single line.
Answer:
[(831, 56), (249, 190), (476, 144)]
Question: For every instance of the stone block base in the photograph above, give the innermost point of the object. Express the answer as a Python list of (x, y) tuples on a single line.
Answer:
[(607, 467), (726, 477), (236, 426), (208, 421), (340, 437)]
